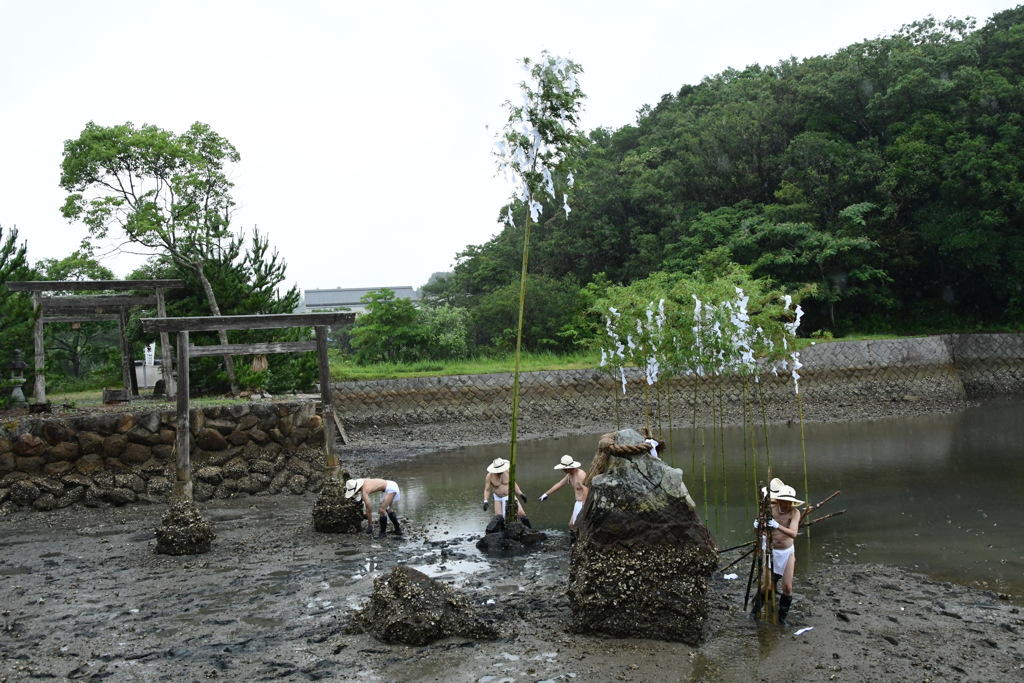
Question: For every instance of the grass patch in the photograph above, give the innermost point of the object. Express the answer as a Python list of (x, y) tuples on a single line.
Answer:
[(343, 370)]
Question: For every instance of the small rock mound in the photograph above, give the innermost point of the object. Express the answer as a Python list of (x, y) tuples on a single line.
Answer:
[(335, 514), (183, 530), (510, 539), (409, 607)]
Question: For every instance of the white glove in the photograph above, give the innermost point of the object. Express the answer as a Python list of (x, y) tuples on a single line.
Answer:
[(756, 524), (543, 496), (773, 524)]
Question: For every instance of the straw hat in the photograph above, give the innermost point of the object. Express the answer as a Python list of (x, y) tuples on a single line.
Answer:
[(775, 486), (789, 493), (499, 465), (567, 463), (352, 487)]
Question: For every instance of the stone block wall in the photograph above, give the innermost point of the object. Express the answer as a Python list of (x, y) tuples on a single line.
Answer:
[(937, 369), (116, 458)]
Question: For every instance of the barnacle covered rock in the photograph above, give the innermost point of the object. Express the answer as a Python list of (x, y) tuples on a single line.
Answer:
[(333, 513), (409, 607), (183, 530), (643, 559)]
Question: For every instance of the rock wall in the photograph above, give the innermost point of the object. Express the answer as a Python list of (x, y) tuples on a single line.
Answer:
[(937, 370), (116, 458)]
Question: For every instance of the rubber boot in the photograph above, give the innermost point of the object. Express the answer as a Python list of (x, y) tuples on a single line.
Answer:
[(394, 520), (383, 521), (526, 522), (784, 603)]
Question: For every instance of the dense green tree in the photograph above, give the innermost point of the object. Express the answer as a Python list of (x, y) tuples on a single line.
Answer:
[(158, 191), (389, 330), (552, 311), (777, 165), (445, 332), (16, 317)]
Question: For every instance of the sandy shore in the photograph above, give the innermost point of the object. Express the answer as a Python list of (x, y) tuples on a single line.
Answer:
[(83, 596)]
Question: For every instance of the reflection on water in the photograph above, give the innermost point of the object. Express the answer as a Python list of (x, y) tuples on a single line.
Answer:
[(939, 494)]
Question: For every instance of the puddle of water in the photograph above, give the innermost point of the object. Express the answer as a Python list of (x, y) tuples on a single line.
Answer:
[(14, 571)]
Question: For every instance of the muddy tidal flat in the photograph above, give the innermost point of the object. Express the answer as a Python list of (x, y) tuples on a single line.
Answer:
[(84, 597)]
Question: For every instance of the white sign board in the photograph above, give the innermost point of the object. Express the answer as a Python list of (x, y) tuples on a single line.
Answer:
[(150, 353)]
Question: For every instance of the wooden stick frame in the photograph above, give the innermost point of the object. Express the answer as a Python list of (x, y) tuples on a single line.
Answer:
[(95, 307), (183, 326)]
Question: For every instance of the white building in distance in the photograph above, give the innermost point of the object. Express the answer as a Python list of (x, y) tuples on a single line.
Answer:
[(314, 300)]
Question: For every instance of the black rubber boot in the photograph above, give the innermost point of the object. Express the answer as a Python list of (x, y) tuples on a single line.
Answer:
[(394, 520), (383, 521), (784, 603), (526, 522)]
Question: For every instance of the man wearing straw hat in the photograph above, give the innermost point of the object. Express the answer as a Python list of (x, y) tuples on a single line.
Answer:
[(497, 481), (364, 487), (785, 525), (574, 476)]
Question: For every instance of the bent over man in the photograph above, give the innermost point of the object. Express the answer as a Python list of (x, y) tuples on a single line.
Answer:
[(392, 494)]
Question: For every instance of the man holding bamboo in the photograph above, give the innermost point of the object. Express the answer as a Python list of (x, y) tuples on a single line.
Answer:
[(784, 526)]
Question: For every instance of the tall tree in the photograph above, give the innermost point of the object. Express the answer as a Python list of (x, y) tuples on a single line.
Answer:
[(16, 319), (156, 191)]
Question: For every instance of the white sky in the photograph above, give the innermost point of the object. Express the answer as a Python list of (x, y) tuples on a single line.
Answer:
[(362, 126)]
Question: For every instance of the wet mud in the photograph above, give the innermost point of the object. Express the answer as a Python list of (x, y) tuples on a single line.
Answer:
[(84, 596)]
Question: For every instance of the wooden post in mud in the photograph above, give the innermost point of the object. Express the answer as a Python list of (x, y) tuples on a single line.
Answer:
[(332, 461), (39, 386), (183, 437)]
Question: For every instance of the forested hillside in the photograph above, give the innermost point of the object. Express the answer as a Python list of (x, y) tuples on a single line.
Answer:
[(888, 176)]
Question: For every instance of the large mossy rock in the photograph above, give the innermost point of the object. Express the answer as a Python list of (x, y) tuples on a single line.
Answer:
[(641, 565), (409, 607)]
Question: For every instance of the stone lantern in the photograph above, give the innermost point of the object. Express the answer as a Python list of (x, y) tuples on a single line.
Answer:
[(17, 367)]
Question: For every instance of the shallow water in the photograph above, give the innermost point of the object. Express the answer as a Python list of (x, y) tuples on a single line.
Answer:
[(939, 494)]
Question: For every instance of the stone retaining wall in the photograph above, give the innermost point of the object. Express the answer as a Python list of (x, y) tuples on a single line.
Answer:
[(932, 369), (115, 458)]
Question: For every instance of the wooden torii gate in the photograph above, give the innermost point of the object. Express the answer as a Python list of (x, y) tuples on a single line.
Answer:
[(93, 307), (319, 321)]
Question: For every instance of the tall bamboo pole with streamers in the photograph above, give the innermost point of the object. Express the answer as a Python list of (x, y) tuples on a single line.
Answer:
[(539, 140)]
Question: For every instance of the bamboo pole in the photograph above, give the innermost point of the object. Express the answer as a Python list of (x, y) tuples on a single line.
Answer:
[(737, 560)]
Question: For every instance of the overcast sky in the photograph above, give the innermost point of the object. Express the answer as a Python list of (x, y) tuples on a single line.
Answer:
[(363, 127)]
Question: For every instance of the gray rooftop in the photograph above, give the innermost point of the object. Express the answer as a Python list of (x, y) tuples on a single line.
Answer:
[(319, 299)]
